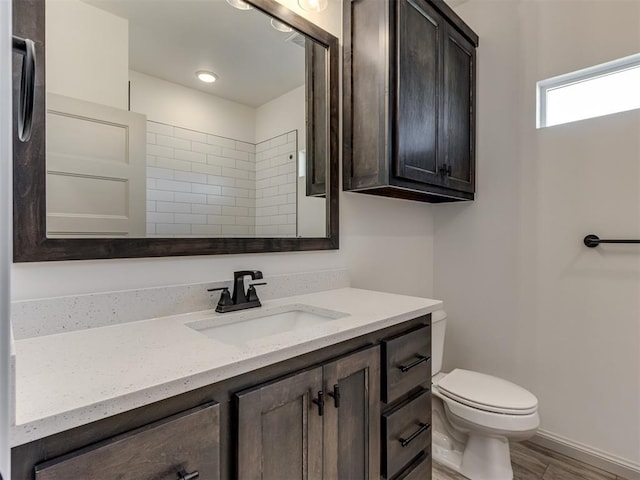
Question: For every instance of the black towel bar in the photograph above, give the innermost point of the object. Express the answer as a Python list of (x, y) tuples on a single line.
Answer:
[(593, 241)]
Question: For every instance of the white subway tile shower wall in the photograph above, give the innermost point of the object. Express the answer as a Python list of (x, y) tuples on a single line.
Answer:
[(198, 184), (205, 185), (276, 181)]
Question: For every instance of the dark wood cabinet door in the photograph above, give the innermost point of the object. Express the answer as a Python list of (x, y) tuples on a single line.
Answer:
[(365, 82), (352, 416), (418, 80), (280, 429), (188, 442), (457, 142)]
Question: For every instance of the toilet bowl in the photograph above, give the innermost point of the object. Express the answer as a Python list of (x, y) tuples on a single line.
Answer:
[(476, 415)]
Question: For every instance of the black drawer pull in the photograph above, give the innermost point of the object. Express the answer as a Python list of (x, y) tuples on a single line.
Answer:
[(182, 475), (320, 402), (406, 368), (335, 395), (406, 441)]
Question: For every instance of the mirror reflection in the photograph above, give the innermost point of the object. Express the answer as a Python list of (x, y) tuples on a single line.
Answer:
[(182, 118)]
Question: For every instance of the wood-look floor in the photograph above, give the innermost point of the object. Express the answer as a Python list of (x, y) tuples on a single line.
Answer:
[(532, 462)]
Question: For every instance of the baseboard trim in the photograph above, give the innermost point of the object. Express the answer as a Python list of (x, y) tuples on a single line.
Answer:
[(589, 455)]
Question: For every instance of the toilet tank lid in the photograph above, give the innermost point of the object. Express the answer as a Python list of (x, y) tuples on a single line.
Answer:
[(488, 392), (438, 315)]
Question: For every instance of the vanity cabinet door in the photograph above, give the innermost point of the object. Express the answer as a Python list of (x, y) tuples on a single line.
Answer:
[(352, 416), (170, 449), (280, 429)]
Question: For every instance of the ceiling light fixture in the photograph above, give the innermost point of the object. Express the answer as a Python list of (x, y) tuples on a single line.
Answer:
[(239, 4), (313, 5), (281, 27), (206, 77)]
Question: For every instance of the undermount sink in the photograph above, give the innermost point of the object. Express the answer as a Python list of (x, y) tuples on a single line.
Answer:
[(241, 328)]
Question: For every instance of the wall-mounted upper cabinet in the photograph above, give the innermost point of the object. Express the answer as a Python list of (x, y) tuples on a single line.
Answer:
[(409, 94)]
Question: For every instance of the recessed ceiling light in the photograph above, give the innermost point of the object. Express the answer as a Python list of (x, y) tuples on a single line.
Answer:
[(281, 27), (239, 4), (313, 5), (206, 77)]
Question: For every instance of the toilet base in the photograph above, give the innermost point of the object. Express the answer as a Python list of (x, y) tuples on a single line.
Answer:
[(486, 458), (474, 455), (482, 458)]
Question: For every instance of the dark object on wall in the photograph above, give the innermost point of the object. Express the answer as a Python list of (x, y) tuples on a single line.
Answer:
[(27, 49), (592, 241), (409, 105)]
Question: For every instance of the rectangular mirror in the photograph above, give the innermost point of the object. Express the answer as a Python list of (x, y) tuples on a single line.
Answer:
[(146, 156)]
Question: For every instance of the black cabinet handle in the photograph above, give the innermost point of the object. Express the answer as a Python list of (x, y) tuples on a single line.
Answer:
[(320, 402), (335, 395), (445, 169), (182, 475), (404, 442), (406, 368), (27, 49)]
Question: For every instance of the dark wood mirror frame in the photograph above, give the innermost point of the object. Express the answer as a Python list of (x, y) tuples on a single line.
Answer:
[(30, 242)]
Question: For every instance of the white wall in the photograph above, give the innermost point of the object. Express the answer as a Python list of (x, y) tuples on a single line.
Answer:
[(5, 230), (283, 114), (526, 300), (173, 104), (387, 244), (329, 19), (87, 53)]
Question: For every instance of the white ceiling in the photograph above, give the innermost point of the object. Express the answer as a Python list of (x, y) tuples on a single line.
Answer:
[(172, 39)]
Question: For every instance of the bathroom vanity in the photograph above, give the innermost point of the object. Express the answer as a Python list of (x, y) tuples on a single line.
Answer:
[(341, 391)]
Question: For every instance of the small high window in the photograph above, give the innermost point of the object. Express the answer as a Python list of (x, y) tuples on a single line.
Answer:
[(611, 87)]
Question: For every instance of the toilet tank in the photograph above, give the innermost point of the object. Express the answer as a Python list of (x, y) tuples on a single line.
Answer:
[(438, 326)]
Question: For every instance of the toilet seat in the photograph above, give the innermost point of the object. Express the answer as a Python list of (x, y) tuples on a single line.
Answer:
[(487, 393)]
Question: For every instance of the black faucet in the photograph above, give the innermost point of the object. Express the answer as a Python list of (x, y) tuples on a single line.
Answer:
[(240, 299)]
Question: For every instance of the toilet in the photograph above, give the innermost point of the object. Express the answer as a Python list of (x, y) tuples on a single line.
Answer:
[(476, 415)]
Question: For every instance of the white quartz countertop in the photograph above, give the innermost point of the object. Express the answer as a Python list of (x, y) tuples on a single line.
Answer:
[(71, 379)]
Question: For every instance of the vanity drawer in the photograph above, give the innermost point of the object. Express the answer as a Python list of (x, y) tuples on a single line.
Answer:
[(188, 442), (406, 432), (406, 363), (420, 468)]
